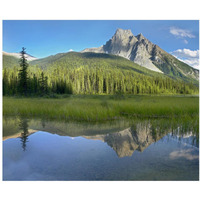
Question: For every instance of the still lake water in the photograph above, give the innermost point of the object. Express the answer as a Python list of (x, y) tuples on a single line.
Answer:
[(118, 150)]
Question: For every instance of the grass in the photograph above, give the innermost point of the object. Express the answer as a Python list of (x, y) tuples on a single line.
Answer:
[(99, 108)]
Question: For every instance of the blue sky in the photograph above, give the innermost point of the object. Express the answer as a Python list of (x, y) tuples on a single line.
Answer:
[(43, 38)]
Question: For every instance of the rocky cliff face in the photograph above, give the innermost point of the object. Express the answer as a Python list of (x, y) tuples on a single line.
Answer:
[(143, 52), (125, 44)]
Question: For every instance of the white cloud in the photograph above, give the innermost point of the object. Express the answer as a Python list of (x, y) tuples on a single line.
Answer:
[(70, 50), (183, 33), (188, 56), (185, 41), (186, 53)]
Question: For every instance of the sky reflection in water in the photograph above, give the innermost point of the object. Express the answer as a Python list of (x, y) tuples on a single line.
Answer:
[(134, 153)]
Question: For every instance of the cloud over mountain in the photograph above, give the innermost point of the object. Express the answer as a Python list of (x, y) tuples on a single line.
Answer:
[(190, 57)]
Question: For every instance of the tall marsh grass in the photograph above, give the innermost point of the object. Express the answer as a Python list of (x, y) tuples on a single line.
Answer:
[(97, 108)]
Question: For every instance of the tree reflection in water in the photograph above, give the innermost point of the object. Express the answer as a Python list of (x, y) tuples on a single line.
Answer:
[(23, 125), (135, 135)]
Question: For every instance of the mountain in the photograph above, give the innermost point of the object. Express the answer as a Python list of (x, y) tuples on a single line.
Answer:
[(143, 52), (18, 55), (114, 70), (96, 73), (91, 60), (113, 61), (10, 61), (137, 49)]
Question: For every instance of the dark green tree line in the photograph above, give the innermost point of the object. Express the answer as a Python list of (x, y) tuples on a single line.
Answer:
[(91, 76)]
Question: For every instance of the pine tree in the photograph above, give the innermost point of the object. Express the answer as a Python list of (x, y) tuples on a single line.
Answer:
[(23, 74)]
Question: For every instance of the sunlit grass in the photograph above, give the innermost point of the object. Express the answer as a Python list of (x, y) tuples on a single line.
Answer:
[(96, 108)]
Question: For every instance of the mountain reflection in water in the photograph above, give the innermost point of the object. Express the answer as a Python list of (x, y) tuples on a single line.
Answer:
[(137, 137), (124, 142), (35, 149)]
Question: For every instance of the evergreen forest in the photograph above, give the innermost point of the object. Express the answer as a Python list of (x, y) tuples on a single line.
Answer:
[(86, 73)]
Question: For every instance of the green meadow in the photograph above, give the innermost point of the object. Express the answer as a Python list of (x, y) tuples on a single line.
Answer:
[(102, 107)]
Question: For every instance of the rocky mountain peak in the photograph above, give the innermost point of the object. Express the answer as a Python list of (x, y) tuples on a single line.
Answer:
[(143, 52), (123, 33), (122, 37), (140, 37)]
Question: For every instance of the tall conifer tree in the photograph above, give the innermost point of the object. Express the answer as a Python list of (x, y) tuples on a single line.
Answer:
[(23, 74)]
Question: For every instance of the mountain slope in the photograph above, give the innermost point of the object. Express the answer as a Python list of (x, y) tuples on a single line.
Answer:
[(143, 52), (18, 55), (95, 73), (75, 60), (91, 60), (10, 61)]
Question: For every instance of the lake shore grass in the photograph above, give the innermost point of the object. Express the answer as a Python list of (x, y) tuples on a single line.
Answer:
[(105, 107)]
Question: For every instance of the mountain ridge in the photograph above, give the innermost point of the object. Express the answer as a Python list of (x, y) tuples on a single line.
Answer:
[(143, 52), (87, 58), (136, 49), (18, 55)]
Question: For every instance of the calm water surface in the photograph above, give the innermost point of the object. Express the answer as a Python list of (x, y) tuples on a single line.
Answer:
[(120, 150)]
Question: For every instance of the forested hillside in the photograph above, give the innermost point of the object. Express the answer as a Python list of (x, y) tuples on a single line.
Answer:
[(90, 73), (10, 61)]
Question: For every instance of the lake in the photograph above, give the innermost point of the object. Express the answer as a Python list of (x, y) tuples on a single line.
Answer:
[(131, 149)]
